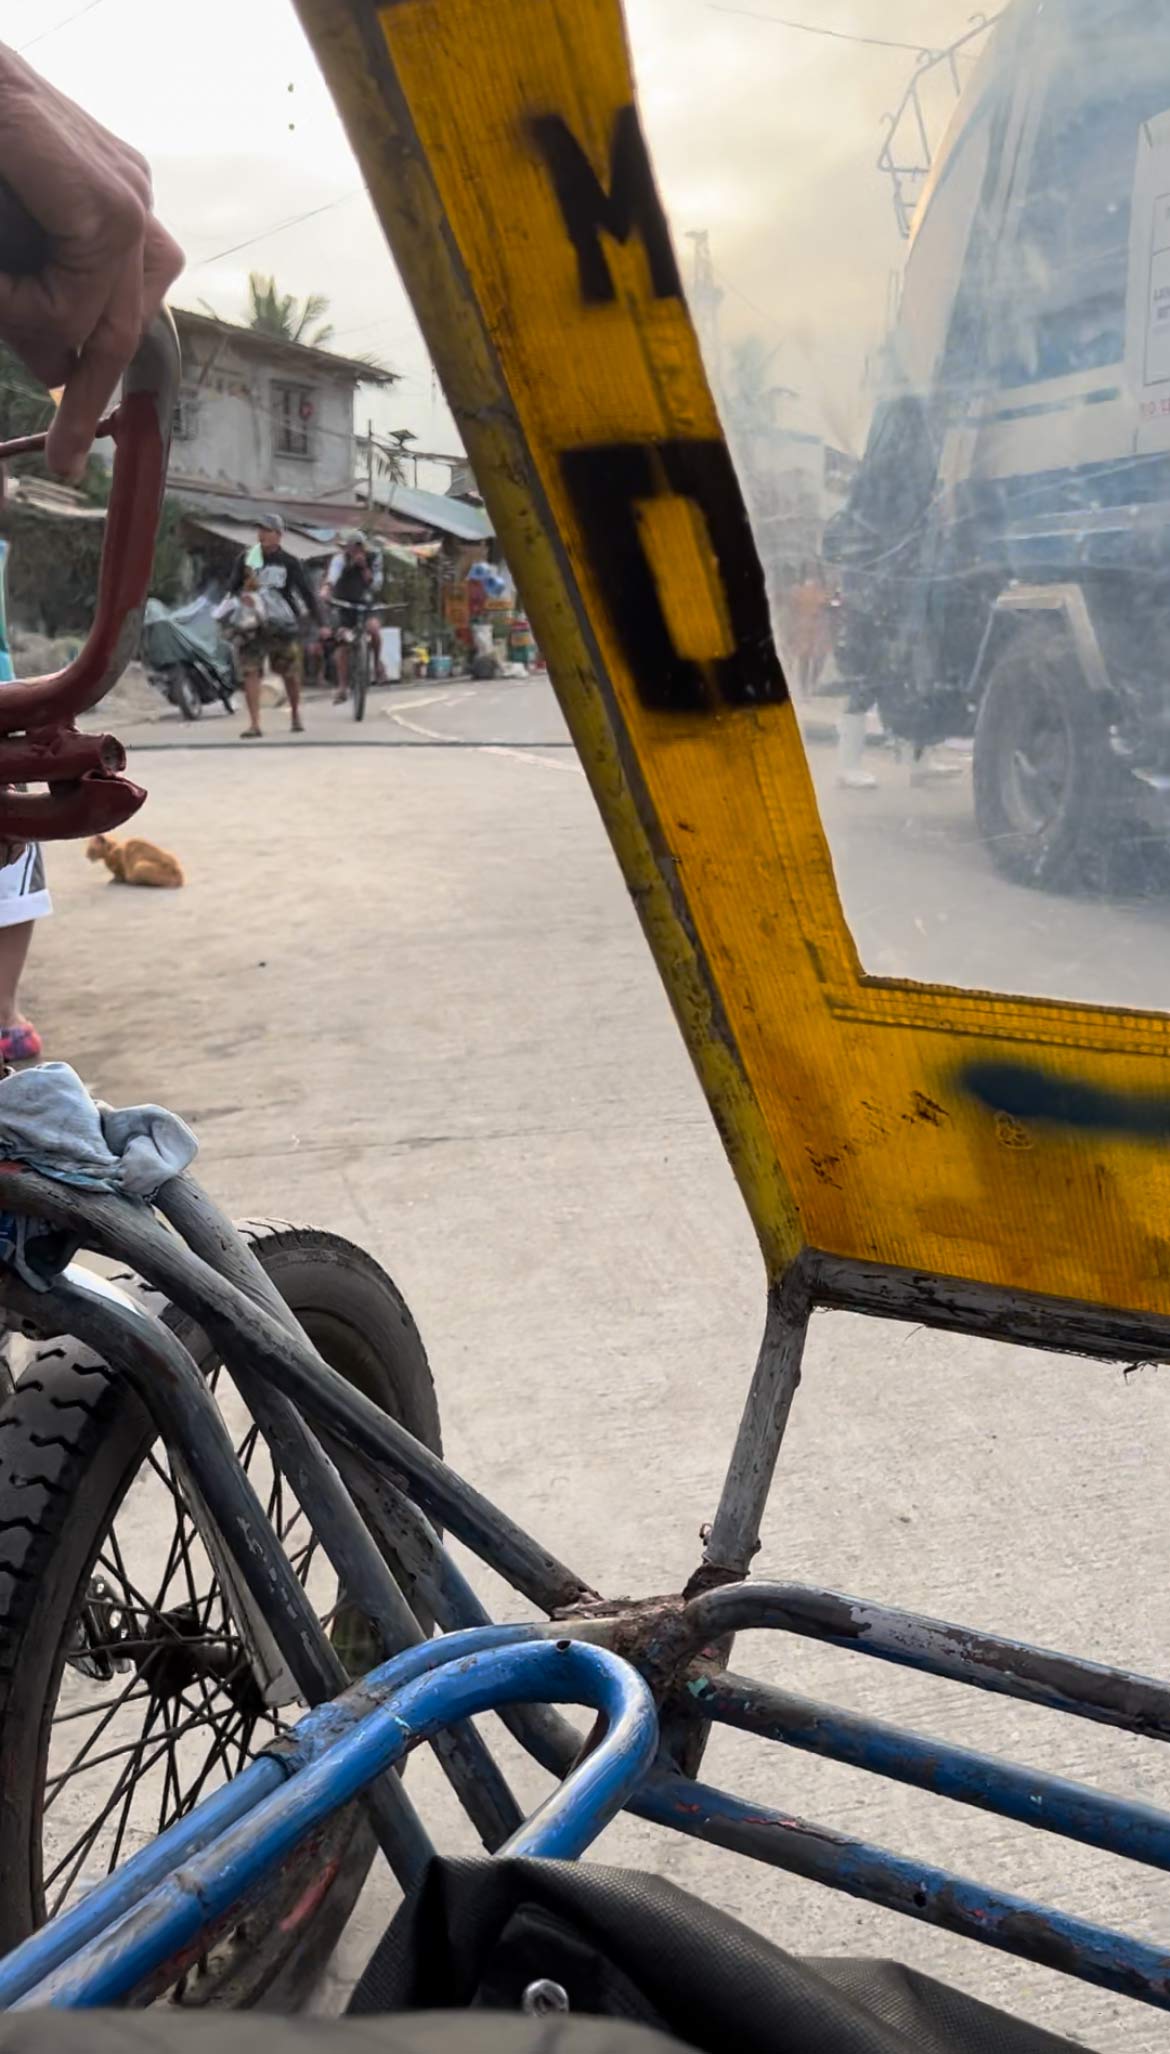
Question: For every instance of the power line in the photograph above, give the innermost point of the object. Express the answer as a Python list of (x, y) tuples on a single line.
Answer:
[(813, 28), (44, 34), (277, 228), (382, 321)]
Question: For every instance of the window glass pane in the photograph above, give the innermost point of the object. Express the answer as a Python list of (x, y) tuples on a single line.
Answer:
[(928, 258)]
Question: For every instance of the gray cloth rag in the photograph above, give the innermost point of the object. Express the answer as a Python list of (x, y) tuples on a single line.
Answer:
[(49, 1121)]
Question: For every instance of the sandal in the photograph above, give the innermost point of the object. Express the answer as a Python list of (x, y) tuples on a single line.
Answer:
[(20, 1043), (251, 734), (296, 727)]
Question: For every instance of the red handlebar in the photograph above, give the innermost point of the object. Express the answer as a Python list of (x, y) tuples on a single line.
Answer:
[(85, 793)]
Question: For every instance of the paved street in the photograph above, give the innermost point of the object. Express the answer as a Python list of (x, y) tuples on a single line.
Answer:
[(404, 996)]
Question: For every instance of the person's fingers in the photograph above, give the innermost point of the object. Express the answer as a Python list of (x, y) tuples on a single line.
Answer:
[(77, 318), (46, 357), (90, 383), (48, 316), (162, 261)]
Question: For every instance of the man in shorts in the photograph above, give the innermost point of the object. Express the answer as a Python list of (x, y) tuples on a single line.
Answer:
[(286, 598)]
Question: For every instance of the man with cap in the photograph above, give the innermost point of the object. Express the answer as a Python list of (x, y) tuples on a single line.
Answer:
[(286, 598), (354, 578)]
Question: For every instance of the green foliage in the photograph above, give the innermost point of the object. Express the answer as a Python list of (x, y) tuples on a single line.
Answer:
[(281, 314), (52, 571), (25, 406)]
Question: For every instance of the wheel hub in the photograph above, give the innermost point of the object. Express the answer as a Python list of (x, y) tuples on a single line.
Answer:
[(170, 1650)]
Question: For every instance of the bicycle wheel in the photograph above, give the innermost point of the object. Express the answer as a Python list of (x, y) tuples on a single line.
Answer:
[(125, 1693), (359, 673)]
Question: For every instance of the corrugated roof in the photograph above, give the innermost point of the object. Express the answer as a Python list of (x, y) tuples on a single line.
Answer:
[(319, 518), (435, 510), (243, 533), (46, 496)]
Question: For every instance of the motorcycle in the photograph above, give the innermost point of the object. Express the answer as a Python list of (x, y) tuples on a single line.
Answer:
[(185, 654)]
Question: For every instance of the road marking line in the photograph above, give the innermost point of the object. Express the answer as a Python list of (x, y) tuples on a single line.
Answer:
[(431, 734), (429, 699), (528, 756)]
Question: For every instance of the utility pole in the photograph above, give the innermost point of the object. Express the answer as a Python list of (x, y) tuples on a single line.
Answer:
[(705, 298)]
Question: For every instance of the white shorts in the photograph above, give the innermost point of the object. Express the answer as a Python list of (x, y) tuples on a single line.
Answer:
[(24, 895)]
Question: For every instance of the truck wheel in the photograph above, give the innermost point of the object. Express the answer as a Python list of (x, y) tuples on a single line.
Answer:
[(1047, 790)]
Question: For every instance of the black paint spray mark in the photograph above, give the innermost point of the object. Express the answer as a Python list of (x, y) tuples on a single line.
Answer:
[(589, 211), (605, 484), (1025, 1093)]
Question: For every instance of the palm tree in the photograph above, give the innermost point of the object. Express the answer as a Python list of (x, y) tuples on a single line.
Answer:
[(281, 314), (752, 396)]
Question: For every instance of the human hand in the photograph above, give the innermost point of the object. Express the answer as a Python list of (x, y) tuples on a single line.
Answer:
[(76, 308)]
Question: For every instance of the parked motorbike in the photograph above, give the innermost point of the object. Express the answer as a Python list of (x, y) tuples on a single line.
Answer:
[(185, 653)]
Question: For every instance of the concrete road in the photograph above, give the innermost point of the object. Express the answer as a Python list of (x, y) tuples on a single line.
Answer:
[(404, 996)]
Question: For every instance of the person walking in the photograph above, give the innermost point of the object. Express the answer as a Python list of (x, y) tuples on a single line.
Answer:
[(285, 598), (806, 621)]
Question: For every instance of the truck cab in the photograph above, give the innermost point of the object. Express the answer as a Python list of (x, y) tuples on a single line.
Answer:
[(1005, 550)]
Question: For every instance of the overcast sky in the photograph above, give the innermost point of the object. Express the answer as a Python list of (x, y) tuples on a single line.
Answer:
[(763, 135)]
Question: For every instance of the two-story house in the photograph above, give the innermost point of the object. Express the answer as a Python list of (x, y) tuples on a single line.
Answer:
[(258, 418)]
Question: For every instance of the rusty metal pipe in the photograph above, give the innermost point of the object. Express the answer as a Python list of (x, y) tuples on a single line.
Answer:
[(141, 429), (56, 755)]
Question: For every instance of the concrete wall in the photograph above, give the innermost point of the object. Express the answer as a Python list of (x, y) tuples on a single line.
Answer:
[(229, 424)]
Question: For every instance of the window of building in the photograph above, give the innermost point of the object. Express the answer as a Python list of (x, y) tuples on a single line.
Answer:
[(1060, 303), (184, 420), (294, 409)]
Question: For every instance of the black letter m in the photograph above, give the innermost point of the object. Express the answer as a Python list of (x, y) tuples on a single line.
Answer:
[(631, 202)]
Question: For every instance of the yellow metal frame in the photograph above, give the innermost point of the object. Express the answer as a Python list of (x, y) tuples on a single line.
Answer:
[(1008, 1141)]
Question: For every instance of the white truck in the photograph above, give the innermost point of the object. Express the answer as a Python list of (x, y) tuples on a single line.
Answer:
[(1005, 550)]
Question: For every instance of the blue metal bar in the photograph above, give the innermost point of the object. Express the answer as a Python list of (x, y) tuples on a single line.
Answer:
[(1056, 1805), (169, 1923), (1014, 1924), (363, 1570), (319, 1730), (312, 1736), (440, 1587), (71, 1929), (1090, 1690)]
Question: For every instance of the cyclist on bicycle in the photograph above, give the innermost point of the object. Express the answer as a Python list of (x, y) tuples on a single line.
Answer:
[(354, 578)]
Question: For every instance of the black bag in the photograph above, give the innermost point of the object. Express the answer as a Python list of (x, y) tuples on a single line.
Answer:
[(479, 1934)]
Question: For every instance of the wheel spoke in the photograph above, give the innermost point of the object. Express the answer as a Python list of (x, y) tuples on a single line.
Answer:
[(140, 1601), (190, 1713), (134, 1772), (82, 1846), (224, 1736), (79, 1758), (247, 1447), (130, 1697)]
